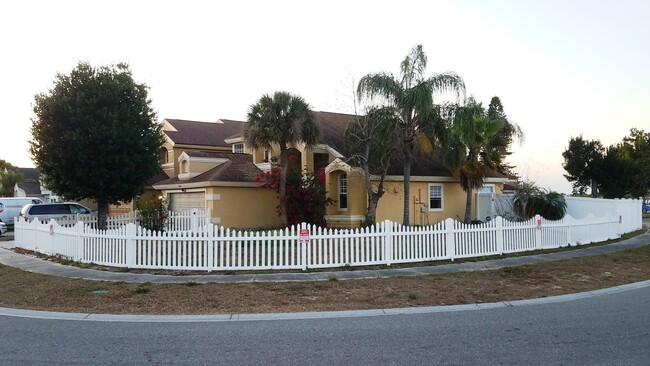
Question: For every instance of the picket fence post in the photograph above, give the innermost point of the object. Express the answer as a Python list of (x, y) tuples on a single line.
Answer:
[(450, 238), (388, 229), (303, 247), (538, 232), (130, 245), (194, 221), (500, 234), (211, 244), (568, 219), (79, 241)]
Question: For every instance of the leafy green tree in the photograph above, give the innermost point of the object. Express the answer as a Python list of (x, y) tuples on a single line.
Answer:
[(531, 200), (8, 181), (466, 149), (411, 96), (619, 172), (370, 143), (282, 119), (5, 165), (95, 136), (502, 142), (8, 178), (583, 164), (638, 143)]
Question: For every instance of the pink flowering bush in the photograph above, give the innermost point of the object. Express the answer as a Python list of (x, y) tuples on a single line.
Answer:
[(305, 196)]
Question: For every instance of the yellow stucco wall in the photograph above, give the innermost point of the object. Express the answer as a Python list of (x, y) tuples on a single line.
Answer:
[(201, 167), (243, 207), (391, 205)]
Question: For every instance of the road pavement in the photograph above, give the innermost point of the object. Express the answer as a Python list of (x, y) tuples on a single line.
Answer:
[(610, 328)]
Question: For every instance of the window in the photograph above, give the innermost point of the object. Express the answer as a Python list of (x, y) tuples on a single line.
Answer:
[(488, 188), (343, 191), (238, 148), (435, 197), (164, 156), (267, 156)]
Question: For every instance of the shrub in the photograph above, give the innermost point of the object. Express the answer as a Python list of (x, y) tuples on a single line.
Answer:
[(153, 213), (305, 195), (531, 200)]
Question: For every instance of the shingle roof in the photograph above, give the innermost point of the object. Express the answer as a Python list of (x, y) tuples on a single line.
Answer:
[(27, 173), (332, 128), (30, 188), (203, 133), (239, 168), (159, 177)]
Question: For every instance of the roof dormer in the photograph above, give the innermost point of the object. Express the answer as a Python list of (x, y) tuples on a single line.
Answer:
[(193, 163)]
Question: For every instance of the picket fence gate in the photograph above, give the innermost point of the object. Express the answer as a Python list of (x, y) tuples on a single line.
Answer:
[(212, 248)]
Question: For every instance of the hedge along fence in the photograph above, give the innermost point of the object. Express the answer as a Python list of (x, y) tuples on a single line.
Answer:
[(211, 248)]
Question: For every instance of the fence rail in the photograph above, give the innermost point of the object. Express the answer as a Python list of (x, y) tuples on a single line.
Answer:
[(211, 248)]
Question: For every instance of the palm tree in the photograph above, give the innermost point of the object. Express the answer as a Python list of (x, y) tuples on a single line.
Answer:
[(466, 148), (412, 97), (283, 119), (531, 200)]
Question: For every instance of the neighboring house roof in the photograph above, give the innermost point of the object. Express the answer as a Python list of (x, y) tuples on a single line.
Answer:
[(203, 133), (27, 173), (238, 168), (30, 188)]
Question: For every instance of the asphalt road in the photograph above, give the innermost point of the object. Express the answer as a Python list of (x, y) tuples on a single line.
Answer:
[(612, 329)]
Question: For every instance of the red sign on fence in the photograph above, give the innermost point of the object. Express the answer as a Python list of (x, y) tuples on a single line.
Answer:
[(539, 224), (304, 236), (51, 229)]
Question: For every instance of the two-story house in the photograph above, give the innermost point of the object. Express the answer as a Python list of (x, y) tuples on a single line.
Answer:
[(208, 166)]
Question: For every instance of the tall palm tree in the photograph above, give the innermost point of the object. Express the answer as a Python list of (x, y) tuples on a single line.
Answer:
[(466, 148), (283, 119), (411, 95)]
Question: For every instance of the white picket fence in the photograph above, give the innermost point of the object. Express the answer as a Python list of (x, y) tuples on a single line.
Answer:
[(213, 248), (186, 220)]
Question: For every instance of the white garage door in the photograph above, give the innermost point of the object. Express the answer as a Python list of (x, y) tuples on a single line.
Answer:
[(180, 202)]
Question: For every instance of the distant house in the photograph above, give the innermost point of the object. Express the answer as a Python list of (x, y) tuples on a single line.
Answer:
[(31, 186), (208, 166)]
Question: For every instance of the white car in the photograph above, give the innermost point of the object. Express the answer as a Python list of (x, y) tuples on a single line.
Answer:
[(3, 228)]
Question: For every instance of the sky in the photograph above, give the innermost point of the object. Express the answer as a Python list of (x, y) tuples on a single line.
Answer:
[(561, 68)]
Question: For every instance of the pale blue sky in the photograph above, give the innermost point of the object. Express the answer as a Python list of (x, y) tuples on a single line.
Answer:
[(561, 68)]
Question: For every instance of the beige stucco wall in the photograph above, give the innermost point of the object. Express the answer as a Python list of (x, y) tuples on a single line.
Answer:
[(391, 205), (243, 207), (199, 167), (356, 211), (176, 151)]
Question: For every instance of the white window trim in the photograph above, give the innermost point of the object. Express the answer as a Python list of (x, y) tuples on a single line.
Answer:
[(234, 149), (347, 197), (494, 188), (442, 197)]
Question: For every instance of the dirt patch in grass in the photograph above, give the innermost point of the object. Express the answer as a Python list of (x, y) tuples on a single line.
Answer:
[(21, 289)]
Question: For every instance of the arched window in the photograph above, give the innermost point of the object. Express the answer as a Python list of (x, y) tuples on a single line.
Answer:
[(164, 155)]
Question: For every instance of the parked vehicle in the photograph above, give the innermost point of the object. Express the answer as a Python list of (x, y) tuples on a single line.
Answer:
[(10, 207), (3, 228), (56, 211)]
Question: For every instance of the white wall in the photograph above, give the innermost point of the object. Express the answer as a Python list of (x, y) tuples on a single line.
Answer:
[(629, 210)]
